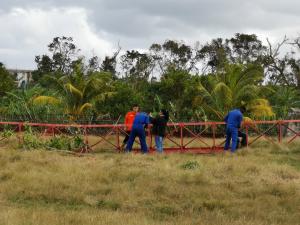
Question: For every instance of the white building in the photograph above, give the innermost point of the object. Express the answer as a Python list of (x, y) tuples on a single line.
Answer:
[(23, 77)]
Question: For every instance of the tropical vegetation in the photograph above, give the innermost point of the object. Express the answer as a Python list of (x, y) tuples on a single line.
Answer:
[(200, 82)]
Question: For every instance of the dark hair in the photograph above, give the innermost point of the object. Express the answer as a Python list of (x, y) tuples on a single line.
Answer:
[(165, 113), (135, 105), (243, 109)]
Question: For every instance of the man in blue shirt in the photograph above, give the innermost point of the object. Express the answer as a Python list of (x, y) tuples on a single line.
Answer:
[(233, 122), (141, 121)]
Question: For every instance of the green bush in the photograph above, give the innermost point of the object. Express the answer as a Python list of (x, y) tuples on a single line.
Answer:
[(190, 165), (32, 141), (59, 142), (108, 204), (7, 132), (63, 142)]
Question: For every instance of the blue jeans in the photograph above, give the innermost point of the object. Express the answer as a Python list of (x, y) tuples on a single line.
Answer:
[(140, 132), (231, 134), (159, 143)]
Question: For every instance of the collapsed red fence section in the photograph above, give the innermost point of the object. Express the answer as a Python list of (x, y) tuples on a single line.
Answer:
[(194, 137)]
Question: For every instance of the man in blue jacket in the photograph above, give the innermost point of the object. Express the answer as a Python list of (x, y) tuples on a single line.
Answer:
[(233, 122), (140, 122)]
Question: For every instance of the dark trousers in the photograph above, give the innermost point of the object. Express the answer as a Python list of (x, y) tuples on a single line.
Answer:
[(126, 137), (243, 140), (137, 132)]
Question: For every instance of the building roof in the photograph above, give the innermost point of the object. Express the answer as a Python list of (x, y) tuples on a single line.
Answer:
[(19, 71)]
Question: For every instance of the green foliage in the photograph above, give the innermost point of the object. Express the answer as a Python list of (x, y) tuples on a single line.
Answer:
[(120, 102), (78, 142), (236, 86), (64, 142), (175, 55), (7, 82), (137, 66), (282, 99), (176, 92), (190, 165), (108, 204), (7, 131), (31, 140), (199, 83), (18, 105), (64, 54), (59, 142), (79, 92)]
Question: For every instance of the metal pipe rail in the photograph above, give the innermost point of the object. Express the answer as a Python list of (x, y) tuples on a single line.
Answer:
[(193, 137)]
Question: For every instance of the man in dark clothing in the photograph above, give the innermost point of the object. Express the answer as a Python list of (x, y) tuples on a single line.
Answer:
[(233, 122), (141, 121), (159, 128), (243, 142)]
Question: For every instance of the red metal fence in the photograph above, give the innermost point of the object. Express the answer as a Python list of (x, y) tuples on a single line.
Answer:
[(196, 137)]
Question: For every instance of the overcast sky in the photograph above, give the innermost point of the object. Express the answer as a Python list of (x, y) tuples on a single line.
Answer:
[(27, 26)]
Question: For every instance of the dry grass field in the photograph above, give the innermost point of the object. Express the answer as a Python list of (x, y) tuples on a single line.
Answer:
[(259, 185)]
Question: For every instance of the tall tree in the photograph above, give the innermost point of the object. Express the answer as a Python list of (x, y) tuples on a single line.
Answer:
[(283, 99), (214, 55), (94, 64), (173, 54), (241, 49), (137, 67), (64, 53), (63, 56), (7, 82), (277, 69), (176, 91), (295, 62), (109, 64), (246, 48)]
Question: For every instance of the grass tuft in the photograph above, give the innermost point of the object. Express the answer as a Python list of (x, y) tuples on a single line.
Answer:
[(190, 165)]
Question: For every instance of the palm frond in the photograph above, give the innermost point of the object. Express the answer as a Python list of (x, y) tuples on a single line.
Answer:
[(73, 90), (223, 94), (246, 94), (101, 97), (44, 100), (260, 108), (84, 107)]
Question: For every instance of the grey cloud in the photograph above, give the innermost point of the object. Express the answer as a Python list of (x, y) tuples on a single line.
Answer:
[(138, 23), (138, 17), (131, 19)]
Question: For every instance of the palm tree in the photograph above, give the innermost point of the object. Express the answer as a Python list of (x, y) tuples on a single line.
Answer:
[(18, 105), (235, 86), (283, 99), (79, 91)]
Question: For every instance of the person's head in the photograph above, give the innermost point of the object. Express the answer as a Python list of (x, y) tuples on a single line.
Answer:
[(243, 109), (165, 113), (135, 108)]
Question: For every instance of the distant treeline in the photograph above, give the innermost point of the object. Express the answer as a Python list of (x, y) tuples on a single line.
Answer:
[(200, 82)]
